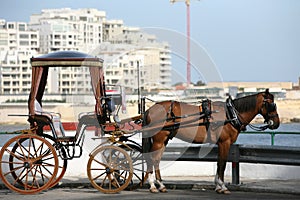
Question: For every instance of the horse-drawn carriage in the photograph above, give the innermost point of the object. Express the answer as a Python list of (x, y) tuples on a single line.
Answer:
[(34, 160)]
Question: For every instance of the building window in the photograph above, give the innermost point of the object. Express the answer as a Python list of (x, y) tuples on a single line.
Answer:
[(3, 42), (33, 36), (21, 27), (82, 18), (24, 43), (24, 36), (11, 26)]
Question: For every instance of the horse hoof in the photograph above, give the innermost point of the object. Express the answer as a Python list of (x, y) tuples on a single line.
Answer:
[(220, 191), (154, 190), (164, 189), (226, 192)]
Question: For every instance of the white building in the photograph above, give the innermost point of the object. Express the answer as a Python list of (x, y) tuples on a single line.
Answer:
[(15, 36), (130, 50), (67, 29), (85, 30), (17, 44), (15, 71), (127, 64)]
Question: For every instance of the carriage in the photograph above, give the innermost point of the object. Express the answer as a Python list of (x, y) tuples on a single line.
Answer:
[(35, 161)]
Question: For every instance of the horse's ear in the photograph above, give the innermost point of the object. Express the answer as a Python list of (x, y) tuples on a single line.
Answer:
[(267, 91)]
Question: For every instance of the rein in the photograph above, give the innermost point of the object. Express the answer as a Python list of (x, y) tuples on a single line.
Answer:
[(246, 123), (258, 128)]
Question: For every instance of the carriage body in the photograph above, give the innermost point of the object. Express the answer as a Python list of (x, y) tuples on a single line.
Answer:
[(40, 69), (35, 161)]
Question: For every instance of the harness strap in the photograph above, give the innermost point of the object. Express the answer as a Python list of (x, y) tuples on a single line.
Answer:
[(171, 113), (172, 129), (232, 116), (206, 109)]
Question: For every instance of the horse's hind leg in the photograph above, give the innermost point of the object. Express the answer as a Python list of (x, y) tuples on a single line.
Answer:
[(157, 150), (162, 187), (151, 181), (150, 160), (156, 157), (155, 160), (149, 174)]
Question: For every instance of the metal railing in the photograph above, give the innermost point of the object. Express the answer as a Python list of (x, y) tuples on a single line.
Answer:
[(260, 154)]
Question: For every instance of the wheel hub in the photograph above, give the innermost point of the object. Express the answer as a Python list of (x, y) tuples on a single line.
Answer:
[(27, 165), (108, 170)]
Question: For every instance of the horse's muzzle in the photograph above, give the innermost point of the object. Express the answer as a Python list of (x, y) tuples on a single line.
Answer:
[(272, 125)]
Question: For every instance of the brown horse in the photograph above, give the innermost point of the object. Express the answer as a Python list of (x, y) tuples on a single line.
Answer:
[(219, 123)]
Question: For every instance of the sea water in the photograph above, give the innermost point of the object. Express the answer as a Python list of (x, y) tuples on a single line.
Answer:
[(251, 139), (280, 139)]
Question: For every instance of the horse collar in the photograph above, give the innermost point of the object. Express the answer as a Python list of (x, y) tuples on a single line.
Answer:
[(232, 116)]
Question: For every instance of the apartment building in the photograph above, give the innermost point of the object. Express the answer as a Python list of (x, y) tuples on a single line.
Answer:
[(68, 29), (85, 30), (132, 55), (17, 44), (130, 66), (16, 36)]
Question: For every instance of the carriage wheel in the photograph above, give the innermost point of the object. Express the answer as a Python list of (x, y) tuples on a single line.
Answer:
[(139, 165), (62, 163), (29, 164), (110, 169)]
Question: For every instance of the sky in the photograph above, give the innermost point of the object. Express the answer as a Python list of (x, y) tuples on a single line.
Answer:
[(246, 40)]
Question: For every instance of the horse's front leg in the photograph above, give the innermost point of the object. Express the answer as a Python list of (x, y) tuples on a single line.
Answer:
[(221, 166)]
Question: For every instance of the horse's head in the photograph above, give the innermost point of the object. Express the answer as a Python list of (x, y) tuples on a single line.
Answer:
[(268, 110)]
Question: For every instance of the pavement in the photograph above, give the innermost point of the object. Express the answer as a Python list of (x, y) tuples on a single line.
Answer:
[(290, 186)]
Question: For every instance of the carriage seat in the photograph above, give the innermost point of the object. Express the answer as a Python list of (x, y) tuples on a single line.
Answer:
[(88, 119), (55, 119)]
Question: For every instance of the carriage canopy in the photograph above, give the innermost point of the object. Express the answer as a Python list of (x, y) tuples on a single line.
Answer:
[(40, 67)]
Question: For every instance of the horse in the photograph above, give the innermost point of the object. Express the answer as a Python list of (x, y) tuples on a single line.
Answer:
[(212, 122)]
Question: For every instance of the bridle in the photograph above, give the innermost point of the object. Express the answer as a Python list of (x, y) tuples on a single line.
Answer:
[(270, 106)]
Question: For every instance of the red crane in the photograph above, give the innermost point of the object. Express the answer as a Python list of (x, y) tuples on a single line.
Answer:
[(188, 64)]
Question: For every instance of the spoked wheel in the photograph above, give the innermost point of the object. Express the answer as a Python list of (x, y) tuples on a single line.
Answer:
[(110, 169), (29, 164), (139, 165), (62, 163)]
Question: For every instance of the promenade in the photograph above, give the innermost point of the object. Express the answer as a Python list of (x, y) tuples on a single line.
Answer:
[(178, 188), (290, 186)]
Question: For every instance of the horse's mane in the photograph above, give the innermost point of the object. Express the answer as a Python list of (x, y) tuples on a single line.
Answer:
[(245, 104)]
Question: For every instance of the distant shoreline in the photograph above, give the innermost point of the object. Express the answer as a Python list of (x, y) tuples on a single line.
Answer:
[(288, 110)]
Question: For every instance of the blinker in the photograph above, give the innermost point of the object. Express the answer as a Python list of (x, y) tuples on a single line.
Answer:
[(271, 107)]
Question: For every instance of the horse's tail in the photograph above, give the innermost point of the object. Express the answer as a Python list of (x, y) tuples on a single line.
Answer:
[(147, 144), (147, 140)]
